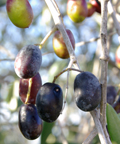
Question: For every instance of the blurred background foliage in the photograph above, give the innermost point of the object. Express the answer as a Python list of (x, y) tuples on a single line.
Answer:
[(73, 126)]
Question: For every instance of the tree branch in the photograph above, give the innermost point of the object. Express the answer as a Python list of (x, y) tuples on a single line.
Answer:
[(99, 127), (104, 66), (58, 22), (115, 21), (90, 137)]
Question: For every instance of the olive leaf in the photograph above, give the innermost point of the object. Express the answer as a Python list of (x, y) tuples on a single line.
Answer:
[(47, 127), (113, 124)]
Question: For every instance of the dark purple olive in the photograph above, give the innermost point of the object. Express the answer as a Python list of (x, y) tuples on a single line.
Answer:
[(111, 94), (87, 91), (28, 88), (30, 123), (49, 102), (28, 61)]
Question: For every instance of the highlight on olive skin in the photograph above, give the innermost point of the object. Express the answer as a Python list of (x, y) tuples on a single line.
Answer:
[(49, 102), (59, 45), (77, 10), (87, 91), (19, 12), (30, 124), (97, 5), (91, 9), (28, 61)]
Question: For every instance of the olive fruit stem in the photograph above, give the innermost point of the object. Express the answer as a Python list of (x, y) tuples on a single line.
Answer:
[(67, 85), (67, 69), (46, 37), (29, 89), (115, 21), (58, 22)]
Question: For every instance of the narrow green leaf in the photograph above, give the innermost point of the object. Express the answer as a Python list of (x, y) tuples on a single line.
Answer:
[(10, 93), (113, 124), (47, 127)]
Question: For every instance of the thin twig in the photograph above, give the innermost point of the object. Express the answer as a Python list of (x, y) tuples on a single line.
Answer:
[(67, 84), (92, 40), (3, 49), (55, 77), (90, 137), (46, 37), (7, 59), (115, 21), (99, 127), (46, 53), (58, 22), (86, 42)]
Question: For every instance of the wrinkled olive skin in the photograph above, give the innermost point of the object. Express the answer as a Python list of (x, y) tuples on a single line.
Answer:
[(49, 102), (30, 123), (28, 61), (87, 91)]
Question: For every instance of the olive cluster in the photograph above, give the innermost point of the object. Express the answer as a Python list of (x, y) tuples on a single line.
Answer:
[(44, 102), (78, 10), (40, 102)]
